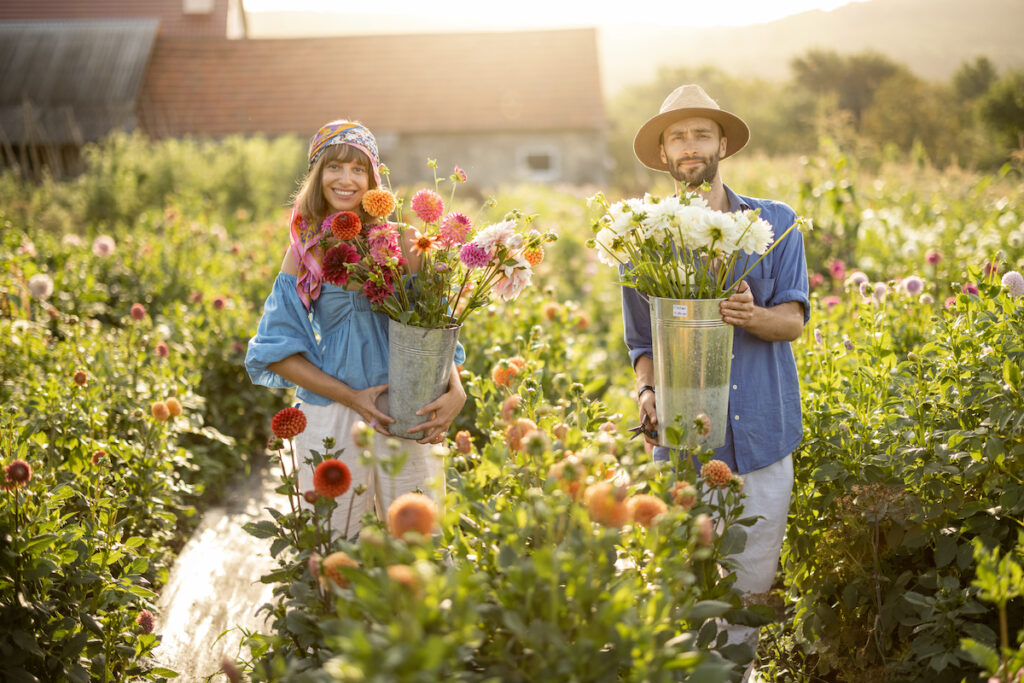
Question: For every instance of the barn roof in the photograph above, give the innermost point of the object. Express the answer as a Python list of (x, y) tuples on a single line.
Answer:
[(503, 81), (67, 82)]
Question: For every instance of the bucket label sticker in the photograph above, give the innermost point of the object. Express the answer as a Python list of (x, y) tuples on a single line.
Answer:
[(680, 310)]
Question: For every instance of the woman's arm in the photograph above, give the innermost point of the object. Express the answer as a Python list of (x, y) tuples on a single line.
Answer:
[(408, 237), (299, 371)]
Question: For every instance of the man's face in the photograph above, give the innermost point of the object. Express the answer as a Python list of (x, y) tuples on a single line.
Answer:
[(691, 148)]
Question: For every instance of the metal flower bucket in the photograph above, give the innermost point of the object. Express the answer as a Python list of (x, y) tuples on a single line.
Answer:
[(692, 360), (419, 367)]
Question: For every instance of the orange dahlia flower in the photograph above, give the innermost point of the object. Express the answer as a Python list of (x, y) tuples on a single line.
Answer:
[(412, 512), (645, 509), (606, 503), (332, 565), (379, 203)]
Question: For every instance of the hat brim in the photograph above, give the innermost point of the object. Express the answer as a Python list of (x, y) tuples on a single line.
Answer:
[(647, 143)]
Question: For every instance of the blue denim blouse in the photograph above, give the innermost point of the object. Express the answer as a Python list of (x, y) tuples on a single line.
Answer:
[(340, 334)]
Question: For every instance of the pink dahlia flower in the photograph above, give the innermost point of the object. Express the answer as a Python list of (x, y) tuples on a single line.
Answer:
[(428, 205), (455, 228)]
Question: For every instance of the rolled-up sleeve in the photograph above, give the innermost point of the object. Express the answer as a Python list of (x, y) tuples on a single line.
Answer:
[(636, 319), (790, 264), (283, 331)]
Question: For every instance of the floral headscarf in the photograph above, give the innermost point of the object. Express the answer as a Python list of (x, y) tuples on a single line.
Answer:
[(305, 236)]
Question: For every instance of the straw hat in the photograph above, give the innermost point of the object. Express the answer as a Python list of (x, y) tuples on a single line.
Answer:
[(686, 101)]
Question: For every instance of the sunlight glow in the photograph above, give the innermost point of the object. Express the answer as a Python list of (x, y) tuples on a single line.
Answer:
[(466, 15)]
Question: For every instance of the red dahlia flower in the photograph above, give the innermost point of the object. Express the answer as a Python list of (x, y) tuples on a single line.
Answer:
[(345, 225), (17, 473), (288, 423), (336, 262), (331, 478)]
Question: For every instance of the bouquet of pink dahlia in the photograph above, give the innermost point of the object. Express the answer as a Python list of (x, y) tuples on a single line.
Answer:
[(460, 267)]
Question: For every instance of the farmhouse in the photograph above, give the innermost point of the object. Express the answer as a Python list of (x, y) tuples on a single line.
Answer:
[(506, 106)]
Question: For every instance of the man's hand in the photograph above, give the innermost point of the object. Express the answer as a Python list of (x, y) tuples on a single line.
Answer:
[(649, 414), (738, 310)]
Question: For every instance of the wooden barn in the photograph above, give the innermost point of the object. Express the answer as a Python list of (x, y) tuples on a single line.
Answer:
[(505, 106)]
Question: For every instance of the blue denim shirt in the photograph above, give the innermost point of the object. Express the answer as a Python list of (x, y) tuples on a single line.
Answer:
[(765, 424)]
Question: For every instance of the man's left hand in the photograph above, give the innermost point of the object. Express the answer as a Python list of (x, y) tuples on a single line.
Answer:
[(738, 309)]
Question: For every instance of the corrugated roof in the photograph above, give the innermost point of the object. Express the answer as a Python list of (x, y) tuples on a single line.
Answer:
[(66, 82), (509, 81)]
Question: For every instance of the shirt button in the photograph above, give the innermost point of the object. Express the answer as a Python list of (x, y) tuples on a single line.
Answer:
[(735, 387), (735, 417)]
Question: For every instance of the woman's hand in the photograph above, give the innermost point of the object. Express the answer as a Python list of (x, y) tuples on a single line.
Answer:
[(364, 402), (442, 411)]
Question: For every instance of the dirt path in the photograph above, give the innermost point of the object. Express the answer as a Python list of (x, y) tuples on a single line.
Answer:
[(215, 583)]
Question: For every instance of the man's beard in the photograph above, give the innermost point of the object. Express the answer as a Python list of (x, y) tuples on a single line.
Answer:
[(695, 177)]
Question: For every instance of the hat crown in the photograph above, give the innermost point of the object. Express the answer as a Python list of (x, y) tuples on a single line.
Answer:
[(690, 96)]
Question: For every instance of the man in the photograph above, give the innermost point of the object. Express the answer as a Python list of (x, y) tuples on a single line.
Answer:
[(688, 138)]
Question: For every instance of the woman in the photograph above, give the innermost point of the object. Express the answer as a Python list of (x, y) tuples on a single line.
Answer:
[(325, 340)]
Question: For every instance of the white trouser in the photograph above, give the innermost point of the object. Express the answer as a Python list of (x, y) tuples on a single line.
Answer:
[(423, 470), (767, 496)]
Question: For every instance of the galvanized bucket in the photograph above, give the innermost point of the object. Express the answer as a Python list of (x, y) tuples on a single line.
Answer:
[(692, 359), (419, 367)]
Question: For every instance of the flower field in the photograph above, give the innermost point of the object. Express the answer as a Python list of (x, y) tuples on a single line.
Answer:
[(562, 552)]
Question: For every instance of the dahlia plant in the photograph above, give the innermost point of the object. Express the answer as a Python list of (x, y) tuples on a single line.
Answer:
[(460, 267), (677, 247)]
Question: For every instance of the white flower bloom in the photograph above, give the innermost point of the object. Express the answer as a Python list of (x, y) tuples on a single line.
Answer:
[(103, 246), (40, 286), (609, 251), (493, 236), (690, 228), (756, 233), (626, 215), (722, 231), (71, 240), (1014, 283)]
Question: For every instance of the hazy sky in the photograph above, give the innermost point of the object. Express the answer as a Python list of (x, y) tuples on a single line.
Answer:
[(474, 14)]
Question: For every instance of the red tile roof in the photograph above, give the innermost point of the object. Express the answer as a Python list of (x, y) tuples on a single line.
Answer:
[(537, 80)]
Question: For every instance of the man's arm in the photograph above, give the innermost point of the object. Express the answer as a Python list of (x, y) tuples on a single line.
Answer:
[(784, 322)]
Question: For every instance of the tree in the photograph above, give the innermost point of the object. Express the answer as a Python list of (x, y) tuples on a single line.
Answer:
[(852, 79), (1003, 107), (973, 79)]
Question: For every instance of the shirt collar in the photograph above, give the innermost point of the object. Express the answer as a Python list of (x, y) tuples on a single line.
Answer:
[(736, 202)]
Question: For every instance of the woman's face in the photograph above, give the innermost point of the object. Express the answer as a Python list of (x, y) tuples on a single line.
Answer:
[(344, 183)]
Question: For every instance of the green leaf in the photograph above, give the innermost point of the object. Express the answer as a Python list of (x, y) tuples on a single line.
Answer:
[(39, 543), (135, 541), (1011, 374), (166, 673), (708, 609), (945, 549), (734, 540), (144, 593), (261, 529), (91, 624)]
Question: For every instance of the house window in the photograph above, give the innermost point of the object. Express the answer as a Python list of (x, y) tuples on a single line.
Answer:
[(539, 163), (197, 6)]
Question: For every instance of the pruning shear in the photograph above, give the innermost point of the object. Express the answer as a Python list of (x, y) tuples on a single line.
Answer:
[(645, 427)]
